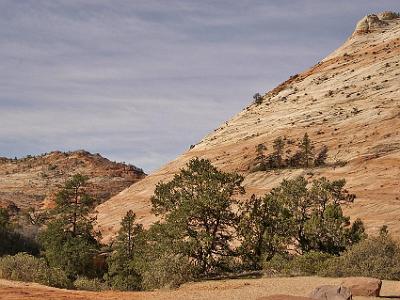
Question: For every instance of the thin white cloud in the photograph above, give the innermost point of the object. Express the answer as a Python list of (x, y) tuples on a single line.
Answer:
[(139, 81)]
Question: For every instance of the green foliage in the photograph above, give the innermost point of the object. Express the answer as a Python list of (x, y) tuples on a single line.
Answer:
[(73, 205), (302, 158), (24, 267), (263, 229), (90, 284), (377, 257), (308, 264), (69, 241), (317, 220), (306, 151), (158, 259), (275, 160), (198, 211), (166, 271), (122, 273)]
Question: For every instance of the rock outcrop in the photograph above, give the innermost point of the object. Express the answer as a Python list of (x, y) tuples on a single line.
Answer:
[(363, 286), (33, 181), (331, 292), (369, 23), (349, 101), (373, 22)]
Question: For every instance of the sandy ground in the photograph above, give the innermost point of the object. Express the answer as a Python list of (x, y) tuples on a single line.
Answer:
[(229, 289)]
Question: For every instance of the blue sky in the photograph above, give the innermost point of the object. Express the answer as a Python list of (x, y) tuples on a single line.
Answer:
[(140, 81)]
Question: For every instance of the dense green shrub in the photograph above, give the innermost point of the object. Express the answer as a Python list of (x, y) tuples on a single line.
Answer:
[(168, 271), (308, 264), (90, 284), (373, 257), (311, 263), (25, 267)]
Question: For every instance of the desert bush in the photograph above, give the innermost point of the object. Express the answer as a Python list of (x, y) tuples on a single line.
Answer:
[(311, 263), (276, 265), (373, 257), (168, 271), (308, 264), (25, 267), (90, 284)]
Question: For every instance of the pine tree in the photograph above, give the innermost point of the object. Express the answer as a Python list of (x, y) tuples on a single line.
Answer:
[(69, 240), (276, 158), (122, 273), (198, 207), (306, 151), (73, 206)]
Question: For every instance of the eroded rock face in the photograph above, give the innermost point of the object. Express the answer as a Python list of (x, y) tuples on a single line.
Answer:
[(363, 286), (331, 292), (369, 23)]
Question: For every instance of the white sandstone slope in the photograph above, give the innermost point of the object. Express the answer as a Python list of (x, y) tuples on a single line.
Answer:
[(350, 101)]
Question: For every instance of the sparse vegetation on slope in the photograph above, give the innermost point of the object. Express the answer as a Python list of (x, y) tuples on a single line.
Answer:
[(304, 157)]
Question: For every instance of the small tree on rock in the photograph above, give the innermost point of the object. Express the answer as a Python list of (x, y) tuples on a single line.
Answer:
[(306, 151)]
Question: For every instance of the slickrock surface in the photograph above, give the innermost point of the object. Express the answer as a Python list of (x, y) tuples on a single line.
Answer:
[(33, 181), (350, 101)]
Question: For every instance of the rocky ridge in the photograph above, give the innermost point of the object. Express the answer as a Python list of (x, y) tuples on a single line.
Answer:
[(33, 181)]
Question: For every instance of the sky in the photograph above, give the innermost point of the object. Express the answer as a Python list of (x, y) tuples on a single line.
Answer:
[(140, 81)]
